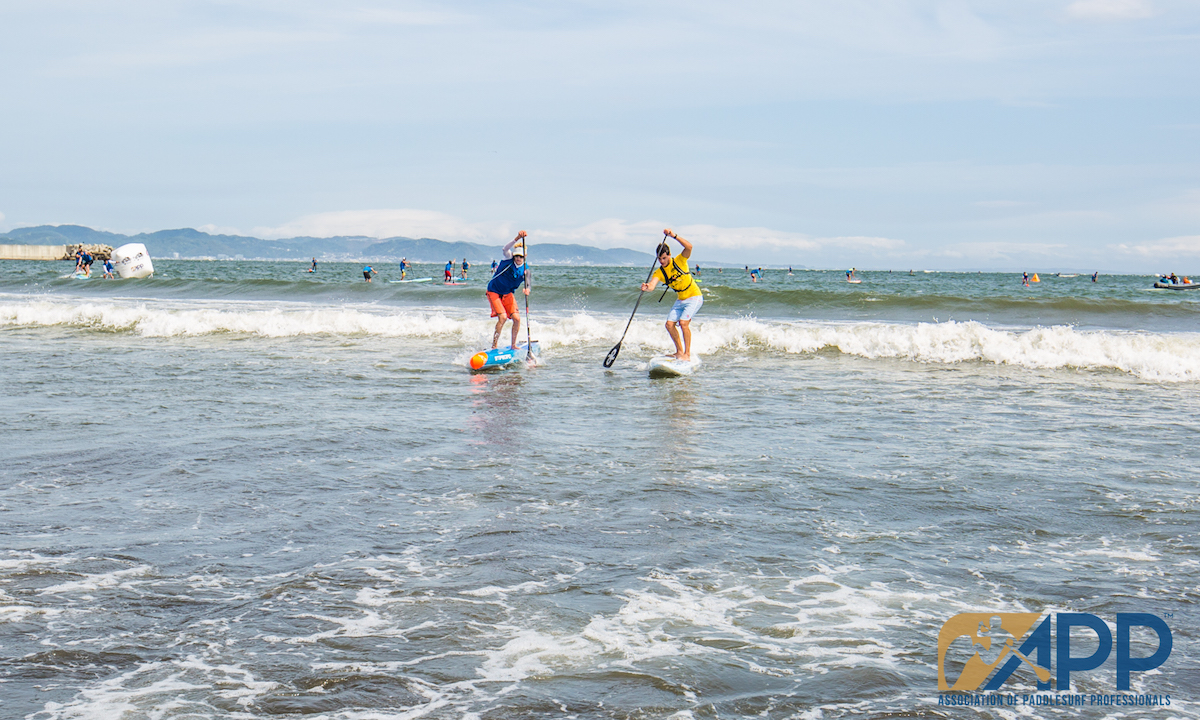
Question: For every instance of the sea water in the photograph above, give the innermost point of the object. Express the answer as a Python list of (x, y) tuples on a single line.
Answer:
[(237, 490)]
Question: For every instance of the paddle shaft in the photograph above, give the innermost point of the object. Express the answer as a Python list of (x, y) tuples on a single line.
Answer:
[(528, 341), (612, 354)]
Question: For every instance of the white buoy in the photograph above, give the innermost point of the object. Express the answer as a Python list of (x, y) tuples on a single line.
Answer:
[(132, 261)]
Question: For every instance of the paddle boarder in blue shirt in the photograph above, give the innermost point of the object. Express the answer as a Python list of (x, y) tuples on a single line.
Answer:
[(368, 271), (449, 272), (403, 267), (509, 275), (465, 267)]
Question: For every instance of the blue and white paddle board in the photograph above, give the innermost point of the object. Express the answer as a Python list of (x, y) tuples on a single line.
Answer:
[(665, 366), (500, 357)]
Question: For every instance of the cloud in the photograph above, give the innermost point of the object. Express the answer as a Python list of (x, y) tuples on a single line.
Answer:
[(387, 223), (1001, 251), (606, 233), (1111, 9), (1164, 249)]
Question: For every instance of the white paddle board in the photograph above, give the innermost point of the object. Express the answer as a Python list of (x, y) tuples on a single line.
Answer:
[(414, 280), (665, 366)]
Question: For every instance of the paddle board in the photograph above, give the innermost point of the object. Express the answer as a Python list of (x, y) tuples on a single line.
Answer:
[(665, 366), (500, 357), (464, 282), (415, 280), (855, 281)]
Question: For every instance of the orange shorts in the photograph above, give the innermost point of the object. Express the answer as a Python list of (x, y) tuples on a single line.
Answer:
[(506, 305)]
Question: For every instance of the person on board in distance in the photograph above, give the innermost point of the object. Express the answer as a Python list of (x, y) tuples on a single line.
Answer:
[(509, 275), (674, 272)]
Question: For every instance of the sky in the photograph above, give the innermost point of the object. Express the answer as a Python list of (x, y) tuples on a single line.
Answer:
[(986, 134)]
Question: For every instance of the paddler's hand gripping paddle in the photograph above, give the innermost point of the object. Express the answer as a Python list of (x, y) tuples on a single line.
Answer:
[(612, 354)]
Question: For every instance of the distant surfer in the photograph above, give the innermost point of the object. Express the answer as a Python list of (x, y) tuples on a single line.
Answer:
[(368, 272), (403, 267), (675, 273), (509, 275), (449, 271), (465, 267)]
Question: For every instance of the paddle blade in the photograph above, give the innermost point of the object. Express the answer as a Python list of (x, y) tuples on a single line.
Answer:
[(612, 355)]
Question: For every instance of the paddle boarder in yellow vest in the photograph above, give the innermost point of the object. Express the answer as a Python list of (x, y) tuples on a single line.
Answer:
[(675, 273)]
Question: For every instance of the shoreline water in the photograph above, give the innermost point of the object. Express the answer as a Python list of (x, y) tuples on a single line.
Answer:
[(243, 498)]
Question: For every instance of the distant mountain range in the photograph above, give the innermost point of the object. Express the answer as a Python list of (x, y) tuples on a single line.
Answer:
[(189, 243)]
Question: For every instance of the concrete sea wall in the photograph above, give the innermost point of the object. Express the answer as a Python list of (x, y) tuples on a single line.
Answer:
[(52, 252)]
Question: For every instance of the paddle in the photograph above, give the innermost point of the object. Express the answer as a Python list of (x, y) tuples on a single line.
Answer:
[(612, 354), (529, 359)]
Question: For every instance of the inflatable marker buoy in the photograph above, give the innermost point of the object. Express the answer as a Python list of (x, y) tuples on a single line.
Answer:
[(132, 261), (1035, 278)]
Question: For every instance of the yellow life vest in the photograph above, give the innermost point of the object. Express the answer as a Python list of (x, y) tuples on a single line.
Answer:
[(680, 280)]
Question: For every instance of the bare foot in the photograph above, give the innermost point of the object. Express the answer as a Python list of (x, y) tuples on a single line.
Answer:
[(686, 358)]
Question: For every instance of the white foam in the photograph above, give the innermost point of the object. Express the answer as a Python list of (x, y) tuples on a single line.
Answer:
[(1169, 357), (117, 578)]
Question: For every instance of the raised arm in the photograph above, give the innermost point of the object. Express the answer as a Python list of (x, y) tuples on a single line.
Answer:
[(508, 249), (687, 246)]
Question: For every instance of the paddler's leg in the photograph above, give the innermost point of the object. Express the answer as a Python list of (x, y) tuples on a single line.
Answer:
[(510, 307), (686, 327), (499, 327), (675, 339), (498, 313)]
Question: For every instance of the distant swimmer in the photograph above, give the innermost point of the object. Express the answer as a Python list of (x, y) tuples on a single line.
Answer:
[(108, 268), (465, 267), (449, 271), (675, 273), (368, 272), (403, 267), (509, 275)]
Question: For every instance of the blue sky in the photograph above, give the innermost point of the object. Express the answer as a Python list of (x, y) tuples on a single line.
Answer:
[(1005, 134)]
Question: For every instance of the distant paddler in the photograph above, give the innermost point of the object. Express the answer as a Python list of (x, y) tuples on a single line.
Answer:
[(675, 273), (509, 275), (368, 273), (403, 267)]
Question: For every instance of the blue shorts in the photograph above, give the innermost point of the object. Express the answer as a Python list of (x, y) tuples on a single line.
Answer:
[(685, 309)]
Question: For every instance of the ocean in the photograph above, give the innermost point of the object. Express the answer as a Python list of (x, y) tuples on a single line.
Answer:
[(239, 490)]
